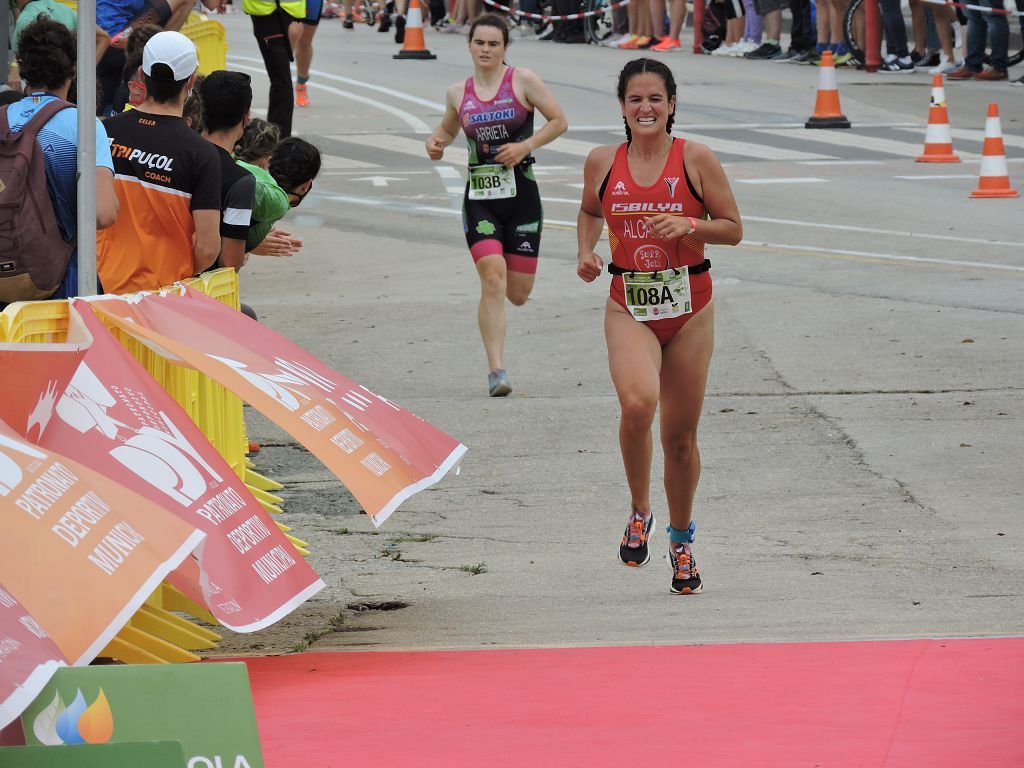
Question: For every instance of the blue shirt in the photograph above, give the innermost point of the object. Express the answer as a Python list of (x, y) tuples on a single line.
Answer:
[(59, 140), (112, 16)]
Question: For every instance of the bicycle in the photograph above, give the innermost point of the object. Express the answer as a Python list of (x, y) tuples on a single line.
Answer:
[(598, 27)]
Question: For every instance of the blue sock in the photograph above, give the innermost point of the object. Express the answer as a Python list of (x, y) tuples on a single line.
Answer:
[(301, 80), (682, 537), (840, 49), (822, 47)]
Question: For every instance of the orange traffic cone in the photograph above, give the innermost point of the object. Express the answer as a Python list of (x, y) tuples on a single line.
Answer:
[(994, 180), (938, 141), (414, 46), (827, 113)]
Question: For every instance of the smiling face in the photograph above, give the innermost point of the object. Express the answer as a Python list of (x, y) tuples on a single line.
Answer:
[(647, 106), (487, 46)]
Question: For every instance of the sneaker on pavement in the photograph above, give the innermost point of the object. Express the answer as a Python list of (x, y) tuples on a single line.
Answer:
[(896, 66), (301, 95), (806, 57), (787, 55), (546, 31), (764, 52), (944, 67), (667, 44), (385, 23), (400, 29), (498, 384), (347, 23), (844, 59), (992, 74), (725, 49), (963, 73), (635, 43), (634, 550), (685, 579), (650, 42), (1018, 81), (930, 59)]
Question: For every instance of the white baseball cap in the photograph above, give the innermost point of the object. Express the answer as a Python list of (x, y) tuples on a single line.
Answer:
[(173, 50)]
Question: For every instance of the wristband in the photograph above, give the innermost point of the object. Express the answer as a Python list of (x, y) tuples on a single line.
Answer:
[(693, 225)]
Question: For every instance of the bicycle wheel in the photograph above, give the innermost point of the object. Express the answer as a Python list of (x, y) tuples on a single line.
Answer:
[(853, 30), (597, 28)]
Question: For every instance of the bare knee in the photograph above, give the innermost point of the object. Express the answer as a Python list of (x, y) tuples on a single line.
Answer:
[(518, 298), (492, 284), (679, 445), (637, 411)]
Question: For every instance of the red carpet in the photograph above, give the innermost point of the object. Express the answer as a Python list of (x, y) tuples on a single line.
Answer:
[(912, 704)]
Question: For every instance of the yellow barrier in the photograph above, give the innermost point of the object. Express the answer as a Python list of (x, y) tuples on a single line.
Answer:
[(153, 634)]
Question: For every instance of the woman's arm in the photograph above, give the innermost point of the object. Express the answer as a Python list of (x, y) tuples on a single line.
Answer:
[(590, 221), (540, 98), (446, 132)]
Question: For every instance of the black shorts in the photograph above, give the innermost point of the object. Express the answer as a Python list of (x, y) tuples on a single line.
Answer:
[(510, 227)]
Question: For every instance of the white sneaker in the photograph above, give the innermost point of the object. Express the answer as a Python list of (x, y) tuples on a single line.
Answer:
[(944, 67), (724, 50), (746, 46), (612, 41)]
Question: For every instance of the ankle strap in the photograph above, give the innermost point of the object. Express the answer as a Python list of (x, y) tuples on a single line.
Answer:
[(682, 537)]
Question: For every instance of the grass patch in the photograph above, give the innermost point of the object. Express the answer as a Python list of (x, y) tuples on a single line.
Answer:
[(476, 570)]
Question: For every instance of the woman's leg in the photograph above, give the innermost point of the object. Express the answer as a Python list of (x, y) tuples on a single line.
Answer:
[(634, 359), (491, 311), (684, 376)]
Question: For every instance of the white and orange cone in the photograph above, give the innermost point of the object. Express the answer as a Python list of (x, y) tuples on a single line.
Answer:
[(994, 179), (938, 140), (827, 113), (414, 46)]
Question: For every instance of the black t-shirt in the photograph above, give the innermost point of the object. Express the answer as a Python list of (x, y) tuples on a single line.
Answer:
[(237, 194)]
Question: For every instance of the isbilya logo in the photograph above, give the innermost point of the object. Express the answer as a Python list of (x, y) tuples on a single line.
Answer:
[(76, 723)]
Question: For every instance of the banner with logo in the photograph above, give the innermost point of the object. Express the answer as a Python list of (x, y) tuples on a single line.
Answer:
[(114, 418), (380, 451), (207, 707), (146, 754), (78, 553)]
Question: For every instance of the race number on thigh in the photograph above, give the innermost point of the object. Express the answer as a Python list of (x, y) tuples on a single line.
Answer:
[(491, 182), (657, 295)]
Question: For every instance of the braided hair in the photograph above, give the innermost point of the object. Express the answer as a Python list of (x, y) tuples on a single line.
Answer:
[(639, 67)]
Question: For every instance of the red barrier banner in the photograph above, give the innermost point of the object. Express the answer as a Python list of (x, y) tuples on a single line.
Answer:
[(78, 553), (115, 419), (380, 451), (28, 658)]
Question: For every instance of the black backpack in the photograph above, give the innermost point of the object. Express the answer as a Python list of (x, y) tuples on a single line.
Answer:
[(33, 254)]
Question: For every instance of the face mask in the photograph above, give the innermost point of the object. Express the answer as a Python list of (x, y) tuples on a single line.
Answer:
[(301, 197)]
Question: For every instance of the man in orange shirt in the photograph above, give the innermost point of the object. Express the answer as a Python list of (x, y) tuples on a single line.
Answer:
[(167, 180)]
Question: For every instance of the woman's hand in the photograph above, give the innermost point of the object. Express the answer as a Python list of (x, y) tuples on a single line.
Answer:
[(590, 266), (668, 227), (435, 148), (278, 243), (512, 154)]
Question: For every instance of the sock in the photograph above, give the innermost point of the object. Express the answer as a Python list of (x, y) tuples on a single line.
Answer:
[(840, 49), (822, 47), (301, 80), (771, 41)]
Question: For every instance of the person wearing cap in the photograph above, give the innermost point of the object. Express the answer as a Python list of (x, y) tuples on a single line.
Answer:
[(167, 179), (271, 20)]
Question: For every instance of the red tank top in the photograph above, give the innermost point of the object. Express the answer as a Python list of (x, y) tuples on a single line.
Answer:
[(626, 204)]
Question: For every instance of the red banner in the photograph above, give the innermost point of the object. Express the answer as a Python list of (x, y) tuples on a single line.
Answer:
[(380, 451), (78, 553), (115, 419)]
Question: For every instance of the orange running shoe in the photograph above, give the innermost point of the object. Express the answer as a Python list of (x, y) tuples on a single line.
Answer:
[(634, 550), (635, 43), (685, 579), (301, 95), (667, 44)]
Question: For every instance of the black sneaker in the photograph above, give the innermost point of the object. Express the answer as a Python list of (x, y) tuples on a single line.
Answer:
[(400, 29), (789, 55), (898, 66), (929, 60), (685, 579), (810, 56), (638, 532), (765, 52), (385, 23)]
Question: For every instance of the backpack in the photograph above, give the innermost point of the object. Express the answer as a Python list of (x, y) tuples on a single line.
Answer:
[(33, 254), (713, 26)]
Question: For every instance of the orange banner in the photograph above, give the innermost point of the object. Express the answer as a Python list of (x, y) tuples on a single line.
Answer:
[(117, 420), (380, 451), (78, 552), (28, 658)]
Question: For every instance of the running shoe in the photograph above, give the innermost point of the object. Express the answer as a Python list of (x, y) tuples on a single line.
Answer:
[(766, 52), (120, 40), (725, 49), (385, 23), (400, 29), (497, 383), (301, 95), (634, 550), (930, 59), (1018, 81), (636, 43), (545, 32), (945, 66), (649, 43), (992, 74), (347, 23), (896, 66), (667, 44), (627, 38), (685, 579), (843, 59)]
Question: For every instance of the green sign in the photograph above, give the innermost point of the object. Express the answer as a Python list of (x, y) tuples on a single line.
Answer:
[(207, 707), (147, 754)]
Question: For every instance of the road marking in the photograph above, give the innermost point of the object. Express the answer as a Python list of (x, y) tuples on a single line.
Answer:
[(842, 162), (798, 180), (403, 145), (854, 140), (414, 123), (377, 181), (405, 207), (570, 147), (874, 231), (939, 176), (617, 129), (336, 162), (970, 134), (885, 256), (749, 149)]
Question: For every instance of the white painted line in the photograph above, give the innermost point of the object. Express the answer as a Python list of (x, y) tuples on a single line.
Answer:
[(749, 149), (577, 185), (803, 180), (403, 145), (569, 200), (434, 105), (335, 162), (447, 172), (874, 231), (888, 256), (400, 173), (683, 127), (939, 176), (414, 123), (569, 147), (855, 141), (969, 134), (842, 162), (405, 207)]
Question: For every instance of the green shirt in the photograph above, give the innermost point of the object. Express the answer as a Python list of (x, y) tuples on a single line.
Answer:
[(56, 11), (269, 207)]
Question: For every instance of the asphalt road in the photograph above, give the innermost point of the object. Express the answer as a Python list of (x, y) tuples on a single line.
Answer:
[(862, 437)]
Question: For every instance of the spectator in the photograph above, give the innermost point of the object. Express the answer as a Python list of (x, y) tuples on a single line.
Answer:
[(168, 180), (253, 152), (994, 27), (46, 60), (271, 20), (28, 11), (294, 166), (669, 39), (770, 12), (227, 97), (132, 90)]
